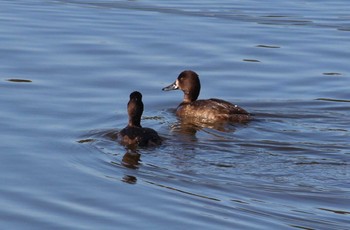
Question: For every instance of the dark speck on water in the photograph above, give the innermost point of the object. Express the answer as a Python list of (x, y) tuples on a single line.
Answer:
[(19, 80), (68, 67), (268, 46), (332, 74), (251, 60)]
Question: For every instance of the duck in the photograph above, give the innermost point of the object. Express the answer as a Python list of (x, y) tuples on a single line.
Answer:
[(210, 110), (134, 134)]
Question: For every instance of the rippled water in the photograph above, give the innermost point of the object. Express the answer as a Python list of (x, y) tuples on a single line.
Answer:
[(66, 72)]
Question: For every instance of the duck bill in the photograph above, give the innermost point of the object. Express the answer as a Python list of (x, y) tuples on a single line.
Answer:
[(171, 87)]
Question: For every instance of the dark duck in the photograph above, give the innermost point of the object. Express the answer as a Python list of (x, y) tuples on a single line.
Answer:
[(134, 134), (210, 110)]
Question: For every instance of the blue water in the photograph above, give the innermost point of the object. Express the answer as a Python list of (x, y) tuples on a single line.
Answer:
[(67, 69)]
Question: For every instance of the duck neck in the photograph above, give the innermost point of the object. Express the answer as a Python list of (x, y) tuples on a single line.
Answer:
[(190, 96), (134, 121), (135, 110)]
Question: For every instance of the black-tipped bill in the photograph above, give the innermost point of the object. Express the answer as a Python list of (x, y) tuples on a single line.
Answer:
[(171, 87)]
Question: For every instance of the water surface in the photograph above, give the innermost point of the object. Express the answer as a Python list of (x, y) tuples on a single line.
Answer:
[(68, 67)]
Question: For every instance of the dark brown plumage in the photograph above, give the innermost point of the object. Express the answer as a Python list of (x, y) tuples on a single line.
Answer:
[(134, 134), (210, 110)]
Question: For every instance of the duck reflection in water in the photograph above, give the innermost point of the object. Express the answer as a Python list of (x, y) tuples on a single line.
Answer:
[(131, 159), (192, 125), (129, 179)]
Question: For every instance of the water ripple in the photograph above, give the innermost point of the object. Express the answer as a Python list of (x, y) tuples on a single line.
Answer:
[(245, 14)]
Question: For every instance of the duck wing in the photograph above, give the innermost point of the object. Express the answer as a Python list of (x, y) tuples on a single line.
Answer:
[(225, 106)]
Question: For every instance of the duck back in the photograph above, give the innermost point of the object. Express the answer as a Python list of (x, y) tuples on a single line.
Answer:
[(139, 136), (213, 110)]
